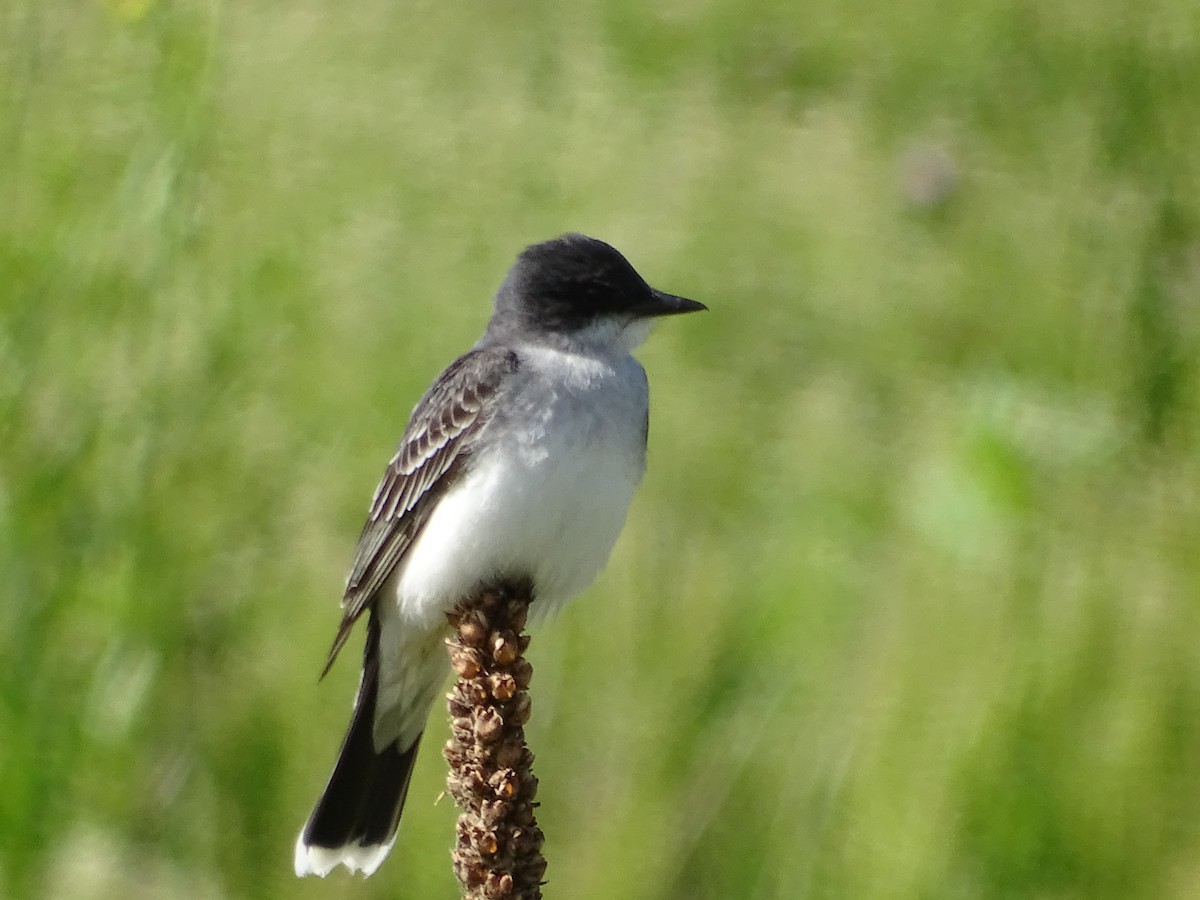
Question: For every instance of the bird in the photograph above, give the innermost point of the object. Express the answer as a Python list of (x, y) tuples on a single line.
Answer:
[(519, 462)]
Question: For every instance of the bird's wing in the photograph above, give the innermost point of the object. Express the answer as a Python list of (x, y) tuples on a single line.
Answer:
[(432, 455)]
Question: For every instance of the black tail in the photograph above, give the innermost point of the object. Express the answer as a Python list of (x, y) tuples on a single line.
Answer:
[(355, 821)]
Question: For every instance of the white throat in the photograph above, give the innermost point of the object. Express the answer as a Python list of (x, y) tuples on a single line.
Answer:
[(614, 334)]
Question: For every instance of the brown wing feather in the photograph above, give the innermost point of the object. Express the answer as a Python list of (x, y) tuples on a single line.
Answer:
[(432, 455)]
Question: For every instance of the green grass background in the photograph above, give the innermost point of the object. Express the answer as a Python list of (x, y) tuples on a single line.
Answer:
[(907, 606)]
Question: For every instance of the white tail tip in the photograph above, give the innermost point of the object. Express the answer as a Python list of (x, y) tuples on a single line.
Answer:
[(323, 860)]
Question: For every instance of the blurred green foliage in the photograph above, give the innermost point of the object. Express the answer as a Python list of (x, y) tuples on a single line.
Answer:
[(908, 604)]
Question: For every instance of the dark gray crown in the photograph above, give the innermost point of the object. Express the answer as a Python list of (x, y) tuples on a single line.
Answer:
[(565, 284)]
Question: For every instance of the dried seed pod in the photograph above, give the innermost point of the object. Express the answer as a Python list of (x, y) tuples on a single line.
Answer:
[(502, 686), (522, 673), (504, 783), (470, 872), (534, 868), (491, 812), (464, 660), (521, 709), (488, 725), (462, 831), (522, 815), (489, 844), (504, 648), (498, 885), (508, 755), (472, 779), (472, 628)]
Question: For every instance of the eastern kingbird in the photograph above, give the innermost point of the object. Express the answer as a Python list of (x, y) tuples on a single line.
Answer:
[(519, 462)]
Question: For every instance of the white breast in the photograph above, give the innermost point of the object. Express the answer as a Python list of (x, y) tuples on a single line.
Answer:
[(547, 495)]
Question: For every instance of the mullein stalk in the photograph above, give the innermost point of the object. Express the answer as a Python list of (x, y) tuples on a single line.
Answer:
[(498, 845)]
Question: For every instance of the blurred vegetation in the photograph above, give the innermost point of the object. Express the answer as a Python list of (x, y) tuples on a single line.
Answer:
[(908, 604)]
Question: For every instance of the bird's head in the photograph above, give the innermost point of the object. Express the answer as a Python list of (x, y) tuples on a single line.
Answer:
[(576, 286)]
